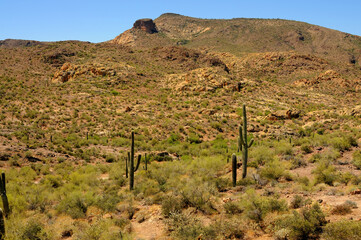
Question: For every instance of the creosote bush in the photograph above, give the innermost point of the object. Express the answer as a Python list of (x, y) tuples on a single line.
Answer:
[(306, 224), (344, 229), (256, 207)]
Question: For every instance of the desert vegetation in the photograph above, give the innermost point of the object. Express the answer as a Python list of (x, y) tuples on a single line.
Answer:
[(106, 141)]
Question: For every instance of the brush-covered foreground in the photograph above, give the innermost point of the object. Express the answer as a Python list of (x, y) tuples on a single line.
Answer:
[(291, 192)]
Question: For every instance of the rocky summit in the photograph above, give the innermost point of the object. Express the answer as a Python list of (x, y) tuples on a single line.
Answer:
[(146, 25)]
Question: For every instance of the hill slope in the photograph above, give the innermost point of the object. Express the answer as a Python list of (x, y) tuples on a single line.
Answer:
[(243, 35)]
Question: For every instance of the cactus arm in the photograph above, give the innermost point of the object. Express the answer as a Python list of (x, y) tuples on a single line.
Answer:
[(240, 139), (251, 143), (138, 163)]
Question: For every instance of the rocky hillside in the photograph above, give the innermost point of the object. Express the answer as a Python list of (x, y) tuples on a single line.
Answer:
[(67, 110), (242, 35)]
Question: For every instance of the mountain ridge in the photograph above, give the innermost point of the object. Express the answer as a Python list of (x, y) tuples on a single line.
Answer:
[(247, 35)]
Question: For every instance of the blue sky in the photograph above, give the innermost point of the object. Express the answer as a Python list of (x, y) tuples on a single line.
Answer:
[(97, 21)]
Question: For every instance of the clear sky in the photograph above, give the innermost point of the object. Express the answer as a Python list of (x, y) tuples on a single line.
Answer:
[(97, 21)]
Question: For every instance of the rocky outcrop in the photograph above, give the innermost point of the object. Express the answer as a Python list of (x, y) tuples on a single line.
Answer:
[(146, 25), (69, 71), (200, 80), (284, 114)]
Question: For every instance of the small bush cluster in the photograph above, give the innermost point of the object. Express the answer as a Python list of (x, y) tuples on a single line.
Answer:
[(306, 224)]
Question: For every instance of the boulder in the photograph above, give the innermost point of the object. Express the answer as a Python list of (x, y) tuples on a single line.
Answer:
[(147, 25)]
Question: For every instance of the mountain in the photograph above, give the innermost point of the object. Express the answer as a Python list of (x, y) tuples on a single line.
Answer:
[(242, 35), (68, 109)]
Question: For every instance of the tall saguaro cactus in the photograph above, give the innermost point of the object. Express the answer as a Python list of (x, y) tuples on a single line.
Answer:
[(132, 168), (243, 144), (2, 225), (4, 197), (234, 170)]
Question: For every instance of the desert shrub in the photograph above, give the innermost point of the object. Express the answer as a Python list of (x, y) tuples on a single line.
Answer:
[(198, 194), (297, 162), (146, 187), (343, 143), (108, 200), (297, 202), (325, 173), (261, 154), (109, 158), (346, 177), (232, 207), (356, 159), (351, 204), (315, 158), (283, 148), (345, 230), (171, 204), (341, 209), (76, 204), (34, 230), (330, 155), (256, 207), (222, 184), (306, 224), (273, 170), (225, 229), (53, 181), (306, 148), (184, 226), (194, 138), (99, 230), (116, 174)]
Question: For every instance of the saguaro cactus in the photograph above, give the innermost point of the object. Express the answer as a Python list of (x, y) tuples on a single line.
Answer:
[(2, 225), (132, 169), (3, 195), (243, 144), (234, 169)]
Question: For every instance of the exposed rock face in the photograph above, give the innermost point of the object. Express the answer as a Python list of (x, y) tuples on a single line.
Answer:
[(69, 71), (146, 24)]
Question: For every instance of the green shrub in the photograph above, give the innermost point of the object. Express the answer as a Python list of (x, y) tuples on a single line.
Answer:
[(171, 204), (198, 194), (107, 200), (345, 230), (356, 159), (325, 173), (284, 148), (261, 154), (184, 226), (273, 170), (256, 207), (225, 229), (306, 148), (76, 204), (233, 207), (306, 224), (297, 202), (34, 230)]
